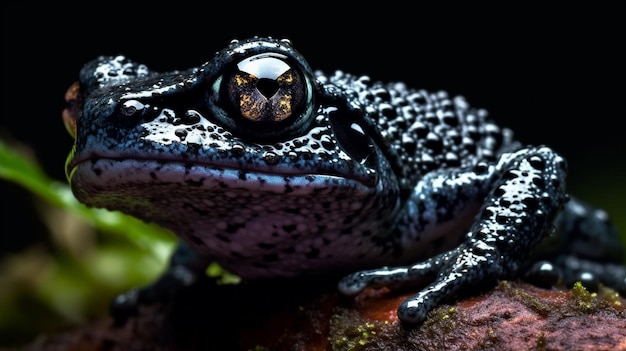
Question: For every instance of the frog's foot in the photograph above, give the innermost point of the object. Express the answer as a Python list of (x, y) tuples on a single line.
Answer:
[(585, 248), (457, 272), (186, 269), (593, 274), (568, 270)]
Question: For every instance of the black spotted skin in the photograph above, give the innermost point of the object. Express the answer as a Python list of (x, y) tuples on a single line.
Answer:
[(273, 170)]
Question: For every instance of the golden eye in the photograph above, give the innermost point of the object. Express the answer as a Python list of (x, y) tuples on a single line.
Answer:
[(265, 88)]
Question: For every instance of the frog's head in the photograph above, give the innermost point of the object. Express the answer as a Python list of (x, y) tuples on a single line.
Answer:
[(235, 144)]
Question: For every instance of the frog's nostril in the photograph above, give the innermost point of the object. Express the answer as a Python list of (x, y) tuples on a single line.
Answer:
[(267, 87)]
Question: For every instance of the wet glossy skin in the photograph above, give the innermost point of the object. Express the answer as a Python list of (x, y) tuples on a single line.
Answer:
[(274, 170)]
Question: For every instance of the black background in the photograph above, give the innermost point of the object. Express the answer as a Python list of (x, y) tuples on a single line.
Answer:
[(553, 74)]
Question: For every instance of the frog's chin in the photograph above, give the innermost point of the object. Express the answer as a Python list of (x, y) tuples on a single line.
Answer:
[(191, 199)]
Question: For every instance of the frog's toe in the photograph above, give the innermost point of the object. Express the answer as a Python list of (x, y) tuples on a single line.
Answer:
[(543, 274), (355, 283), (415, 309)]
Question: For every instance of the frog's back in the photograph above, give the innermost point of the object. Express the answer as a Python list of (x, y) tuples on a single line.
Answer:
[(425, 131)]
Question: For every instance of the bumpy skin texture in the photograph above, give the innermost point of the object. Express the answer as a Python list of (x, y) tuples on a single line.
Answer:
[(274, 170)]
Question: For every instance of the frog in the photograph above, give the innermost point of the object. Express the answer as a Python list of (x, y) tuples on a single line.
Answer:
[(275, 170)]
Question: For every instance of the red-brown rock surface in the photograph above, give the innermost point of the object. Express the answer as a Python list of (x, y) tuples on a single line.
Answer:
[(513, 316)]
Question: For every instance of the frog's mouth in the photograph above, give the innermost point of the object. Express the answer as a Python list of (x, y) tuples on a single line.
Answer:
[(112, 175), (161, 191)]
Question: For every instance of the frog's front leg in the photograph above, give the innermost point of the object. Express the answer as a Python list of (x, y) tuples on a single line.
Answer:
[(185, 269), (525, 192)]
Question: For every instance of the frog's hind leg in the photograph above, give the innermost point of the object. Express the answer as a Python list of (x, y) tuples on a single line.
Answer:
[(185, 269), (584, 248)]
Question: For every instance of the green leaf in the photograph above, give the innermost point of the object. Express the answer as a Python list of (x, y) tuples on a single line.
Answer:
[(17, 167)]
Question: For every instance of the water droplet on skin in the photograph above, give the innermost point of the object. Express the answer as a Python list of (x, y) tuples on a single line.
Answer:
[(238, 150), (131, 107), (194, 140), (181, 133), (191, 117), (270, 158)]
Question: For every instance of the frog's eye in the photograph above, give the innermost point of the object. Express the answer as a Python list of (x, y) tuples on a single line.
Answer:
[(73, 104), (266, 88), (265, 94)]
